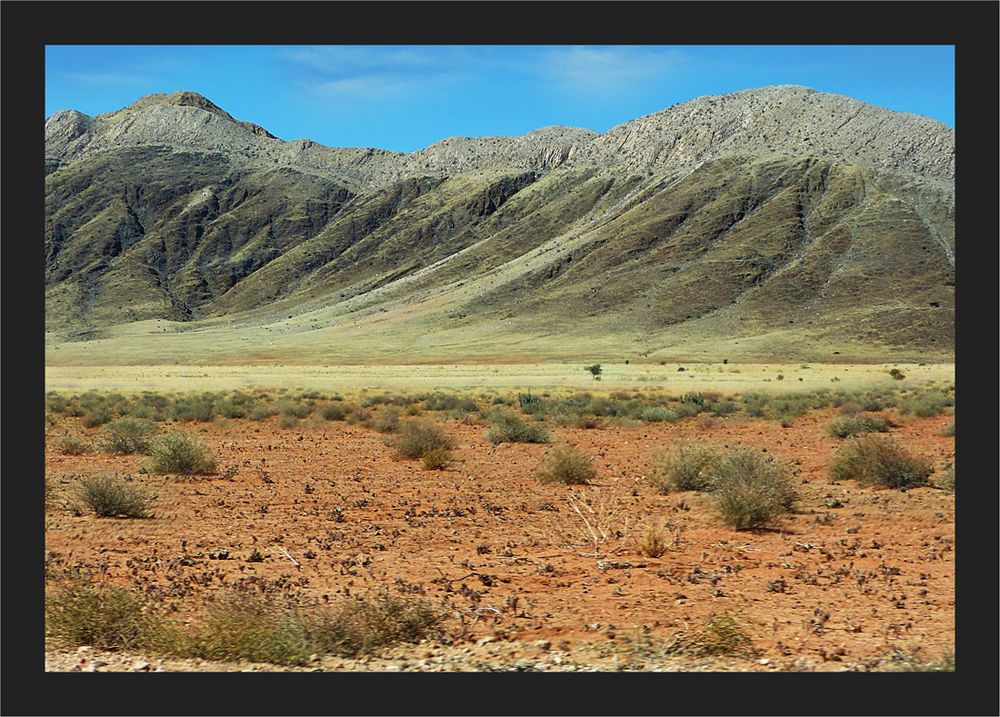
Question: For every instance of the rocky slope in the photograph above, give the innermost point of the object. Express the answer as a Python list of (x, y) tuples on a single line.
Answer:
[(813, 218)]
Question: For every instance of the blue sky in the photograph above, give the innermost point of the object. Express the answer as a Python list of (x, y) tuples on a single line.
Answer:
[(404, 98)]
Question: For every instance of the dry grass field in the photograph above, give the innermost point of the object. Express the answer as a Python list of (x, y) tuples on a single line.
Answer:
[(523, 517)]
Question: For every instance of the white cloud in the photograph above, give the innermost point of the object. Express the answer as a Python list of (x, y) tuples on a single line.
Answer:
[(610, 69)]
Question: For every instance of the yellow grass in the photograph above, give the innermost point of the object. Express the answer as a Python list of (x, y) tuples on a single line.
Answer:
[(727, 378)]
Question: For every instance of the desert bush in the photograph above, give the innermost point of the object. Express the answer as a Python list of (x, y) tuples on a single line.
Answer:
[(96, 417), (689, 467), (262, 411), (111, 497), (194, 408), (856, 423), (653, 543), (232, 409), (363, 625), (436, 459), (241, 625), (948, 482), (877, 461), (911, 663), (385, 420), (588, 422), (181, 453), (566, 464), (948, 430), (102, 616), (287, 421), (293, 408), (657, 414), (720, 634), (447, 402), (925, 405), (127, 435), (247, 626), (334, 411), (417, 438), (750, 491), (73, 445), (509, 428)]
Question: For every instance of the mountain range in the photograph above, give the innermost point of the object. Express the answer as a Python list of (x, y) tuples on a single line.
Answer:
[(775, 223)]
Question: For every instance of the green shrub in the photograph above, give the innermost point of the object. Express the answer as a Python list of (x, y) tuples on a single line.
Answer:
[(418, 438), (687, 468), (446, 402), (111, 497), (262, 411), (181, 453), (103, 617), (657, 414), (73, 445), (385, 420), (509, 428), (876, 461), (96, 417), (127, 435), (856, 423), (566, 464), (925, 405), (335, 411), (750, 491), (194, 408), (948, 430), (294, 409)]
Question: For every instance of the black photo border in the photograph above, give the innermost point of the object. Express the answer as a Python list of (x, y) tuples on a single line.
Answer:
[(28, 26)]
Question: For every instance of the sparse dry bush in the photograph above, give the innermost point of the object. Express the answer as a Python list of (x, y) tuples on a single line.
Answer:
[(720, 634), (417, 439), (127, 435), (689, 467), (877, 461), (509, 428), (566, 464), (73, 445), (102, 616), (750, 491), (856, 423), (111, 497), (181, 453)]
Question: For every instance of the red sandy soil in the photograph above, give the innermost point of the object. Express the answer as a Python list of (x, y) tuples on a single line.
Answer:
[(853, 576)]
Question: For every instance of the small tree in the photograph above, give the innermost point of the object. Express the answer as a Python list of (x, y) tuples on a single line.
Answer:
[(595, 371)]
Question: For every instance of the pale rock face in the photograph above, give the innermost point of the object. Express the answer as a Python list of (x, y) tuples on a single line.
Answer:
[(781, 120)]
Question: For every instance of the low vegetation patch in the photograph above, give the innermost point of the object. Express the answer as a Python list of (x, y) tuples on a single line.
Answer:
[(509, 428), (687, 468), (111, 497), (181, 453), (127, 435), (566, 464), (720, 635), (877, 461), (72, 445), (750, 490), (102, 616), (854, 424), (261, 628), (423, 440)]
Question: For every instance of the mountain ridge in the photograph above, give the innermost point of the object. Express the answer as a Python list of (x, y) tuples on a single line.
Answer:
[(761, 212)]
